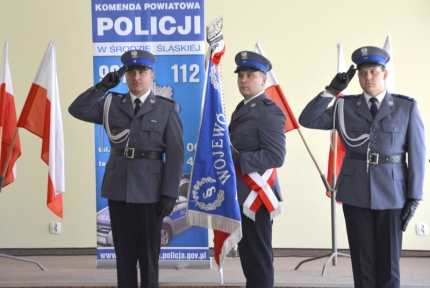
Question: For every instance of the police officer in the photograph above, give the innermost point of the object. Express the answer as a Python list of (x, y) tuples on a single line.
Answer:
[(379, 190), (258, 144), (145, 165)]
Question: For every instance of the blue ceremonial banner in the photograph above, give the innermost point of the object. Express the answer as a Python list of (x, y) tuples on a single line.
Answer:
[(174, 32), (213, 179)]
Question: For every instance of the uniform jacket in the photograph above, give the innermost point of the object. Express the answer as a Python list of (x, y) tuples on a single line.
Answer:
[(257, 131), (156, 127), (396, 129)]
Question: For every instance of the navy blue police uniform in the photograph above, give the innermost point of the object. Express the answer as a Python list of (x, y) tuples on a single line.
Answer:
[(257, 133), (381, 174), (144, 167)]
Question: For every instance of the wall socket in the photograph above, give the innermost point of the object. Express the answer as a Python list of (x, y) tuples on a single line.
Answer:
[(422, 229), (55, 228)]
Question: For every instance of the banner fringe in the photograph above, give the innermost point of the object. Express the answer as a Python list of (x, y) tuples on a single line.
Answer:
[(275, 213), (249, 213)]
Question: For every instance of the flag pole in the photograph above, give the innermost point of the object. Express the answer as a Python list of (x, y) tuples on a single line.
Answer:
[(323, 177)]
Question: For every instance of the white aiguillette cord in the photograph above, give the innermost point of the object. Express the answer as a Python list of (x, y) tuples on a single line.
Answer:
[(113, 138), (363, 138)]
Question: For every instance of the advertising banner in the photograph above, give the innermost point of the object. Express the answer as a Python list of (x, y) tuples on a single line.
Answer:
[(174, 32)]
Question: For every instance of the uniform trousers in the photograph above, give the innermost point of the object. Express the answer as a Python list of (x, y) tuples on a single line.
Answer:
[(136, 232), (375, 242), (255, 250)]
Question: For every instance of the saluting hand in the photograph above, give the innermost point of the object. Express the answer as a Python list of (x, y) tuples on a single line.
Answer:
[(341, 81), (111, 80)]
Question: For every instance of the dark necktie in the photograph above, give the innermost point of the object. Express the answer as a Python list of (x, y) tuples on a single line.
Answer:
[(373, 107), (137, 107)]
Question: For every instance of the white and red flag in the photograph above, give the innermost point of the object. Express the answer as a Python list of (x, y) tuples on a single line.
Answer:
[(389, 82), (335, 159), (274, 91), (10, 144), (41, 115)]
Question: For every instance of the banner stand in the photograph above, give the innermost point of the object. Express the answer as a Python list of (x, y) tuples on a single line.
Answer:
[(334, 253), (23, 259)]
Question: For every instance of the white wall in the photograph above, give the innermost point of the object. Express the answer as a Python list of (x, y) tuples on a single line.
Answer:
[(299, 37)]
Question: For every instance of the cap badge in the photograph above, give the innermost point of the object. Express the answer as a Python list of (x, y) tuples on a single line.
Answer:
[(134, 54), (364, 51), (244, 55)]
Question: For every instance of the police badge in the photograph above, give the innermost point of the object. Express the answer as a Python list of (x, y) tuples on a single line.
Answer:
[(244, 55)]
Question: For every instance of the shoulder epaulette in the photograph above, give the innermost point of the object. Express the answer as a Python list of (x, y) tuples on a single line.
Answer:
[(349, 96), (165, 98), (117, 94), (403, 97), (268, 102)]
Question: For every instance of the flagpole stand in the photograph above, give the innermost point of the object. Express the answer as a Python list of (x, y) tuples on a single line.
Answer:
[(23, 259), (334, 254)]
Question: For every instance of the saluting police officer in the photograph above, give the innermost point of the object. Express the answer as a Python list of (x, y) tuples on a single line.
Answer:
[(381, 180), (145, 165), (258, 144)]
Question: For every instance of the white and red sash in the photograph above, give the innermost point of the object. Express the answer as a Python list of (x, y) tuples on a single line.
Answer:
[(261, 193)]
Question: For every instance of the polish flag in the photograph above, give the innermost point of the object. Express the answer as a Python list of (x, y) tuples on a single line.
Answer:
[(389, 82), (274, 91), (8, 125), (340, 149), (41, 115)]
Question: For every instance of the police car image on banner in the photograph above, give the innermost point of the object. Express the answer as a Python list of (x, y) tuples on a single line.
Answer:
[(173, 224)]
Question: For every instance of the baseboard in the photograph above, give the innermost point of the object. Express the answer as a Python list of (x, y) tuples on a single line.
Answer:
[(277, 252)]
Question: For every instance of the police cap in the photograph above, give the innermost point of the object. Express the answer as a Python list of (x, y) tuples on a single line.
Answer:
[(138, 59), (251, 61), (370, 55)]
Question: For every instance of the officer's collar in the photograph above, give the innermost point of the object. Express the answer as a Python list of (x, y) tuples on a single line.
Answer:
[(142, 98), (380, 96), (252, 98)]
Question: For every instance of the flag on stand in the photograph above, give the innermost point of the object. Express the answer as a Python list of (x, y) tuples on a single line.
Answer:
[(389, 82), (8, 125), (41, 115), (274, 91), (340, 149), (213, 179)]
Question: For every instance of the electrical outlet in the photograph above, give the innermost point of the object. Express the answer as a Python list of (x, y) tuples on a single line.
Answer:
[(422, 229), (55, 228)]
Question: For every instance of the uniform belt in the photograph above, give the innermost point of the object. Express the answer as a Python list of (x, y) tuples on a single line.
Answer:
[(133, 153), (375, 158)]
